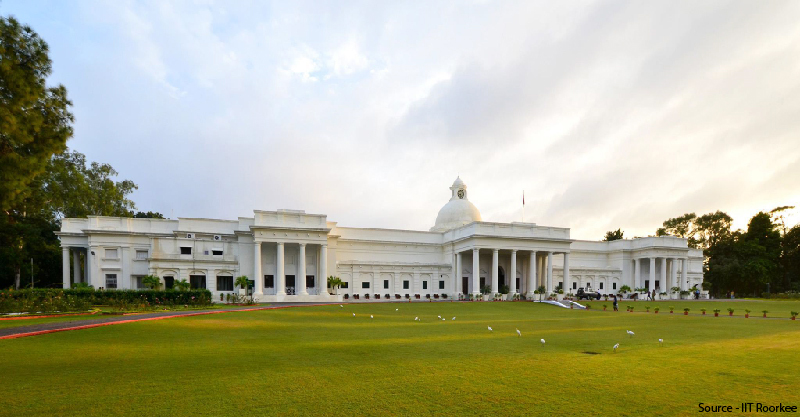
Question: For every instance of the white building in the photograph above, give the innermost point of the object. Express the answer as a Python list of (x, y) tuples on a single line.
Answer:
[(288, 254)]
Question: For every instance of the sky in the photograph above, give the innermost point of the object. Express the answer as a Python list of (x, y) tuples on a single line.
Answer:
[(606, 114)]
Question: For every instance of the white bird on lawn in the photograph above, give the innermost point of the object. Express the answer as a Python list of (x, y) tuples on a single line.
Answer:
[(542, 340), (354, 314), (443, 319), (341, 306), (630, 333), (519, 333), (454, 318), (416, 318), (660, 341), (370, 316), (397, 309), (490, 329), (439, 316), (615, 347)]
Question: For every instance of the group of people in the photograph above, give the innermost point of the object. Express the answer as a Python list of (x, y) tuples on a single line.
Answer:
[(651, 295)]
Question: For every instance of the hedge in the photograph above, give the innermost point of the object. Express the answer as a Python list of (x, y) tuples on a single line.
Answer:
[(81, 299), (781, 296)]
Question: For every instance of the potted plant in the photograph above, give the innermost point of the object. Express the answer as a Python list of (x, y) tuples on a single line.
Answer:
[(624, 289), (444, 296), (408, 297), (242, 282), (686, 311), (716, 312), (670, 309), (397, 296), (335, 283), (746, 313), (794, 315), (765, 313), (588, 306), (542, 290), (703, 310), (675, 290), (366, 296), (604, 307), (428, 296), (355, 296), (655, 310), (730, 311), (630, 309), (346, 296), (647, 309)]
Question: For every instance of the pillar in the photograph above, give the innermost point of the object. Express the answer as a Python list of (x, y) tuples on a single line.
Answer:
[(567, 281), (495, 255), (280, 278), (76, 266), (549, 272), (86, 278), (652, 273), (457, 285), (636, 273), (322, 279), (513, 273), (684, 271), (673, 274), (258, 277), (532, 284), (300, 282), (454, 274), (64, 266), (476, 271), (663, 277)]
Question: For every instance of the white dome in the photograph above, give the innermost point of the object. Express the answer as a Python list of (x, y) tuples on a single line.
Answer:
[(458, 211)]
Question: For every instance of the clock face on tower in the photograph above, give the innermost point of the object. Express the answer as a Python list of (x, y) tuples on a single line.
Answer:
[(461, 194)]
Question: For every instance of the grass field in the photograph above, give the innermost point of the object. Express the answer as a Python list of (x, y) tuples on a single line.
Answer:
[(324, 361)]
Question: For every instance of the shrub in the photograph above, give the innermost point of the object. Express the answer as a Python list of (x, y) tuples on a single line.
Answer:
[(686, 310), (794, 314), (647, 308), (671, 308), (588, 306), (657, 309), (444, 296), (730, 310), (716, 310), (80, 299)]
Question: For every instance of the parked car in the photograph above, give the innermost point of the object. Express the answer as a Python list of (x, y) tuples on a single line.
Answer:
[(583, 295)]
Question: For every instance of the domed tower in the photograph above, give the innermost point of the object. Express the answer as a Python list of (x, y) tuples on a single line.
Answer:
[(458, 211)]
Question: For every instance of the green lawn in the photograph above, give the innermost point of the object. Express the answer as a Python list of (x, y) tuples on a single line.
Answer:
[(780, 309), (323, 361)]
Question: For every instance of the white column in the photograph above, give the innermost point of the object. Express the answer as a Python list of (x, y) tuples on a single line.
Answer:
[(86, 277), (476, 271), (652, 272), (567, 280), (416, 285), (258, 277), (457, 286), (636, 272), (64, 265), (495, 254), (549, 272), (532, 284), (280, 277), (76, 266), (454, 274), (322, 279), (673, 274), (513, 284), (663, 277), (684, 271), (301, 271)]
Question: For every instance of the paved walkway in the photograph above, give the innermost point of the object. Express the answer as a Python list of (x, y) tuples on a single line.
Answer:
[(77, 324)]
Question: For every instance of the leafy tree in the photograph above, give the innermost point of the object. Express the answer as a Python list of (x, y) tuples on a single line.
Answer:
[(35, 122), (681, 227), (181, 285), (711, 228), (148, 215), (614, 235), (151, 281), (791, 244)]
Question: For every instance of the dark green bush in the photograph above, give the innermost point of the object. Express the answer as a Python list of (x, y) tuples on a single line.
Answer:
[(81, 299)]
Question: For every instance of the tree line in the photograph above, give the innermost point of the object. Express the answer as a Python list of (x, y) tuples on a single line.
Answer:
[(764, 258)]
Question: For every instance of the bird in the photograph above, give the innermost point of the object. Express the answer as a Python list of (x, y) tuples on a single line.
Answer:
[(615, 347), (490, 328), (354, 314), (444, 319), (439, 316), (416, 318), (519, 333), (630, 333), (454, 318), (341, 306), (542, 340), (397, 309), (370, 316), (660, 341)]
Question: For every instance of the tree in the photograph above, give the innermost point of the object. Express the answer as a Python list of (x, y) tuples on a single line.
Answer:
[(35, 121), (148, 215), (681, 227), (791, 255), (779, 215), (711, 228), (614, 235), (541, 290), (181, 285), (151, 281)]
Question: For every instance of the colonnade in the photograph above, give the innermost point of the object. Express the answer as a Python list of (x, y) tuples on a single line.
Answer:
[(540, 268), (76, 265), (666, 281), (280, 274)]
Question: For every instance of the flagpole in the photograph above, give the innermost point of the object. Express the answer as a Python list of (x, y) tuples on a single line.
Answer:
[(523, 206)]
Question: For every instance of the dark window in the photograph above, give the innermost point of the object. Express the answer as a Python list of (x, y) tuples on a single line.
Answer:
[(483, 282), (269, 281), (405, 285), (224, 283), (517, 280), (574, 285), (186, 250), (365, 284), (345, 285), (169, 282), (197, 282), (588, 285), (309, 281), (647, 284), (615, 285), (424, 285), (216, 252), (386, 283), (111, 281), (601, 285), (441, 285)]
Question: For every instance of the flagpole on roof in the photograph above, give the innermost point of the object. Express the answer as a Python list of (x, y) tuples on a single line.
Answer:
[(523, 206)]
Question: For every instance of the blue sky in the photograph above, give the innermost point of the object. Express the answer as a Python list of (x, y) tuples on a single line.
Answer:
[(609, 114)]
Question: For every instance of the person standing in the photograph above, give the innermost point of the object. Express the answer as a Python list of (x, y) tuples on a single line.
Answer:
[(616, 307)]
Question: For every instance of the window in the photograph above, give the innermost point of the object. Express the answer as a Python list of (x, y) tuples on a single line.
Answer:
[(601, 285), (615, 285), (216, 251), (197, 282), (588, 285), (345, 285), (111, 253), (441, 285), (111, 281), (224, 283), (517, 281), (169, 282), (483, 282), (141, 255), (137, 279), (186, 250), (269, 281), (424, 285), (365, 284), (574, 285), (386, 283), (405, 285), (310, 281)]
